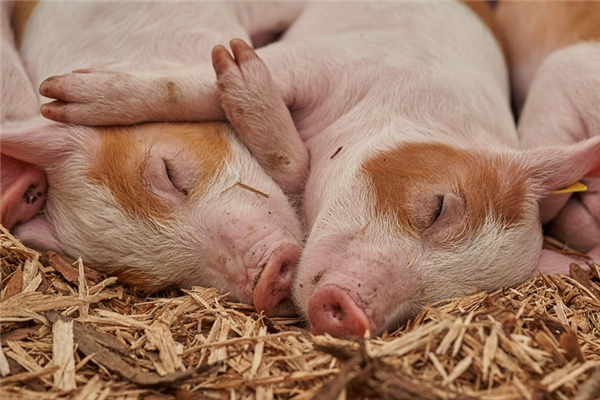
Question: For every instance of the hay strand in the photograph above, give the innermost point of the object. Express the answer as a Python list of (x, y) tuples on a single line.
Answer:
[(69, 332)]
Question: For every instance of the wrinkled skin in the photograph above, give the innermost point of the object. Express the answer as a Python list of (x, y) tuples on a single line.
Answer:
[(415, 190)]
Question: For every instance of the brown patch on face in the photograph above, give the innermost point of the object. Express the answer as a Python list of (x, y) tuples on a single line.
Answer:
[(19, 19), (118, 168), (410, 174), (123, 150), (208, 146), (484, 12)]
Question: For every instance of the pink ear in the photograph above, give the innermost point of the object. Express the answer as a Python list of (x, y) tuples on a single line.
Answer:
[(39, 234), (37, 140), (554, 168)]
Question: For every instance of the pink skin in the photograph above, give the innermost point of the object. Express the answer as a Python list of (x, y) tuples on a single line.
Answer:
[(332, 310), (22, 193), (554, 262), (556, 88), (578, 222), (23, 186), (286, 159), (558, 110), (272, 292)]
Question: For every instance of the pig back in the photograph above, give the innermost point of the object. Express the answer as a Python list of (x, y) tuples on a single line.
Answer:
[(131, 36)]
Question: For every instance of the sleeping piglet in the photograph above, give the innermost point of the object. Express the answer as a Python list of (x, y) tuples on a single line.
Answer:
[(416, 190), (554, 53), (157, 204)]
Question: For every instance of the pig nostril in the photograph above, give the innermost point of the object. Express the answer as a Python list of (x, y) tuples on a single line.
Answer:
[(287, 270), (336, 311), (31, 196), (332, 310)]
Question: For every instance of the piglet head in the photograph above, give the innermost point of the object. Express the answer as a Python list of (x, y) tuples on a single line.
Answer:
[(422, 222), (167, 205)]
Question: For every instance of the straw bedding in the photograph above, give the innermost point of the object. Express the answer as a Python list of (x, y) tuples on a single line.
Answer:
[(68, 332)]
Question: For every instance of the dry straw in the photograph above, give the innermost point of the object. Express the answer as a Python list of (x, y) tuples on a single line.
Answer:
[(68, 332)]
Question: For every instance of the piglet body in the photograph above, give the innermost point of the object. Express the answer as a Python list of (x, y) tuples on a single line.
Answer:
[(158, 204), (414, 191), (554, 52)]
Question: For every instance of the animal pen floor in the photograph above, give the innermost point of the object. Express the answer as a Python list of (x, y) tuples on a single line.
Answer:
[(539, 340)]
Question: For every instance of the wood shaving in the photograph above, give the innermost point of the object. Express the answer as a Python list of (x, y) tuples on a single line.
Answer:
[(69, 332)]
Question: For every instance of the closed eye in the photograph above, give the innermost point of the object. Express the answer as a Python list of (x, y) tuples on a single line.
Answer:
[(428, 211), (172, 178), (437, 211), (163, 179)]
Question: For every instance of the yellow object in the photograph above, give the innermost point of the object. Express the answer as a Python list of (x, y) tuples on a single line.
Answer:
[(575, 187)]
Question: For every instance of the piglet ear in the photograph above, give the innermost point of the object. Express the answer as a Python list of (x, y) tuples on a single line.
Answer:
[(39, 234), (554, 168), (37, 140)]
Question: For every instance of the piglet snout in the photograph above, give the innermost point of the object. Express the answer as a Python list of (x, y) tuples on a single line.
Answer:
[(272, 292), (23, 191), (332, 310)]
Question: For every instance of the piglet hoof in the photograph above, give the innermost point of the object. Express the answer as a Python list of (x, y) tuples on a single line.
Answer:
[(254, 105), (272, 293), (331, 310), (96, 97), (80, 85)]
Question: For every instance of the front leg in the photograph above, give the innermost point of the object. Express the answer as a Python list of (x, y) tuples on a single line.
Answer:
[(103, 97), (255, 107)]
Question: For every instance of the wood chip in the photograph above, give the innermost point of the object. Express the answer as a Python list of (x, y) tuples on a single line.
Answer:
[(4, 367), (62, 355), (14, 285), (537, 340)]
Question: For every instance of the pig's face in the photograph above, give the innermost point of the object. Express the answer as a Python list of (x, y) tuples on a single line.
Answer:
[(414, 225), (175, 204)]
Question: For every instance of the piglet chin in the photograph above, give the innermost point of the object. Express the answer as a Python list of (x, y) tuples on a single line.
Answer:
[(272, 293), (332, 310)]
